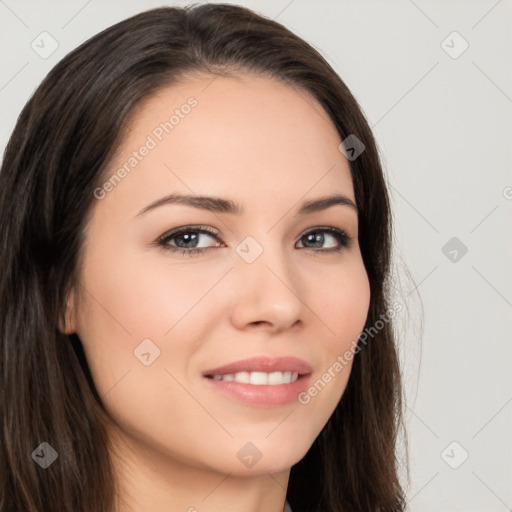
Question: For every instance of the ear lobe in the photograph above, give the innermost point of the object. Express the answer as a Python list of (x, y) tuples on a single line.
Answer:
[(68, 324)]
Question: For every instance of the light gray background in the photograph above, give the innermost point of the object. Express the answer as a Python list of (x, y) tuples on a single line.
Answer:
[(444, 127)]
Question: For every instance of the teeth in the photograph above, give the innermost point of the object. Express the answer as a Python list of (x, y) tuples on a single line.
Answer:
[(257, 378), (260, 378)]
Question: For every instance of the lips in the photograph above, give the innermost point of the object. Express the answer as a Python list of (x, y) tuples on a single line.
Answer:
[(262, 364)]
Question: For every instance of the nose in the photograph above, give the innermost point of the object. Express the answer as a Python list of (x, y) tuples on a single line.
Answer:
[(267, 293)]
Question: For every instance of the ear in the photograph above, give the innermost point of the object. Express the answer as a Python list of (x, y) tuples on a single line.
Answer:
[(68, 325)]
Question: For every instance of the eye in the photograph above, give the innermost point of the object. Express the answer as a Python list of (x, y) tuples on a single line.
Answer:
[(186, 239), (318, 236)]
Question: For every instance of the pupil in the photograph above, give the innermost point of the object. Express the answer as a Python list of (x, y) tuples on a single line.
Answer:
[(316, 238), (189, 238)]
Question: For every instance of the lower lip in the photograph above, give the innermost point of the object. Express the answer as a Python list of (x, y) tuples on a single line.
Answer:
[(265, 395)]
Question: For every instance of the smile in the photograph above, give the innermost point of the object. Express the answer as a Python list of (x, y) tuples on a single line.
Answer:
[(259, 378)]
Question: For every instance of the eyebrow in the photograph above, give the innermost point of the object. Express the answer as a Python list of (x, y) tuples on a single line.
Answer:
[(220, 205)]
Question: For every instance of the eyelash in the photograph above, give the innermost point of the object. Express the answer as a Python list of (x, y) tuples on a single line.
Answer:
[(343, 239)]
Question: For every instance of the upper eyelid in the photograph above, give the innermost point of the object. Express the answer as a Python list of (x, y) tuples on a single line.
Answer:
[(213, 231), (185, 229)]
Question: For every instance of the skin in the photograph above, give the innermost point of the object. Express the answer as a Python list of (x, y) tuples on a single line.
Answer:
[(269, 147)]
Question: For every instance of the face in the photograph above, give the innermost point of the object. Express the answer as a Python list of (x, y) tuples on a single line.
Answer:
[(157, 308)]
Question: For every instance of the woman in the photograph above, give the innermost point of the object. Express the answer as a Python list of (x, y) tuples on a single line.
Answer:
[(196, 248)]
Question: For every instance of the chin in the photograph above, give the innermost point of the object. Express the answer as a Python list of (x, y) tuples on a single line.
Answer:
[(263, 457)]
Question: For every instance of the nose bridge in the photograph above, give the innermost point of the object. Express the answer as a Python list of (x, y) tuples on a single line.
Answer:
[(266, 284)]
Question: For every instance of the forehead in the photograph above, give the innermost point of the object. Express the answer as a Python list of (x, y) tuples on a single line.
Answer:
[(249, 132)]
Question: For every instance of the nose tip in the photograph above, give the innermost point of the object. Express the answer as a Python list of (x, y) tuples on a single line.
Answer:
[(266, 297)]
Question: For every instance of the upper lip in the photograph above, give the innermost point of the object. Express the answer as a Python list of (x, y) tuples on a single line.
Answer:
[(263, 364)]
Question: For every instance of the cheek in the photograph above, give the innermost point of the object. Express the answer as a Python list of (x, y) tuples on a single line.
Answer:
[(128, 301), (343, 304), (343, 309)]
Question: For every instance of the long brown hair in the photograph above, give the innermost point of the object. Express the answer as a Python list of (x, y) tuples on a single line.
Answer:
[(55, 158)]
